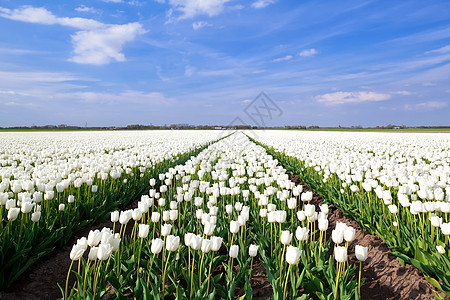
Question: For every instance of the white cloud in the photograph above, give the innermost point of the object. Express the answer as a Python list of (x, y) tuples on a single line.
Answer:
[(200, 24), (29, 14), (97, 43), (84, 8), (444, 49), (112, 1), (189, 71), (101, 46), (351, 97), (403, 93), (308, 52), (287, 57), (262, 3), (127, 97), (429, 105), (192, 8)]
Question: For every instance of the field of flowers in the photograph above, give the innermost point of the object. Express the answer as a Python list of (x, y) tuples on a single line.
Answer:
[(209, 209), (52, 184), (396, 186)]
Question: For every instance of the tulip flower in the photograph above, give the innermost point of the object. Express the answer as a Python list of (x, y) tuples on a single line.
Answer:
[(143, 230), (157, 245), (234, 226), (35, 217), (155, 217), (94, 238), (13, 213), (165, 229), (309, 210), (196, 242), (361, 255), (172, 243), (115, 216), (337, 236), (292, 257), (234, 250), (349, 234), (209, 228), (216, 243), (286, 237)]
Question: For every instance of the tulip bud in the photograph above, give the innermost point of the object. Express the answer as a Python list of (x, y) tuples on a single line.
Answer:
[(62, 207), (166, 216), (301, 233), (229, 209), (209, 228), (440, 249), (172, 243), (136, 214), (323, 224), (293, 255), (187, 238), (263, 212), (253, 250), (445, 228), (280, 216), (234, 250), (271, 217), (77, 252), (301, 215), (143, 230), (361, 252), (216, 243), (309, 210), (155, 216), (286, 237), (196, 242), (157, 245), (115, 216), (206, 246), (340, 254), (393, 208), (104, 251), (36, 216), (234, 226), (173, 215), (292, 203), (13, 213), (165, 229), (349, 234), (93, 253), (94, 238), (337, 236)]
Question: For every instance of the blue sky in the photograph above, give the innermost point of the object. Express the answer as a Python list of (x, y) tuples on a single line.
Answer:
[(326, 63)]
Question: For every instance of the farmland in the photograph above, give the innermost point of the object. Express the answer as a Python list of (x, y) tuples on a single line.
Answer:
[(192, 214)]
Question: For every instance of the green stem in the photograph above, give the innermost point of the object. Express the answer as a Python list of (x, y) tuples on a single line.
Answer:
[(359, 278), (67, 280), (337, 280), (164, 274), (285, 282)]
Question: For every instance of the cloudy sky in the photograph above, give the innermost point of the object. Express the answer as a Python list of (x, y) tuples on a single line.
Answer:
[(326, 63)]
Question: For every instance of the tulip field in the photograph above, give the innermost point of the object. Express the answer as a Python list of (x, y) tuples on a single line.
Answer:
[(210, 207)]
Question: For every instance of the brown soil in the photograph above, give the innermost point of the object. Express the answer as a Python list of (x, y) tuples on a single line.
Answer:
[(385, 277)]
